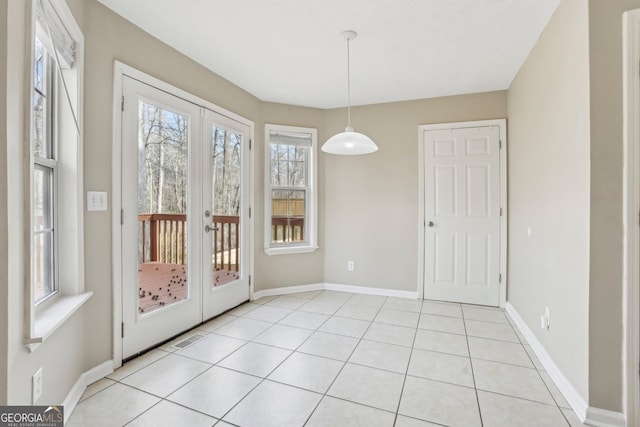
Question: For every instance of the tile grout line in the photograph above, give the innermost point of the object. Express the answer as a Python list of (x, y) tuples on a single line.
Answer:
[(208, 369), (406, 372), (270, 372), (473, 374), (345, 361)]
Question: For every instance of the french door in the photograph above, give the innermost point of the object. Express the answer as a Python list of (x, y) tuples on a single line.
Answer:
[(185, 225)]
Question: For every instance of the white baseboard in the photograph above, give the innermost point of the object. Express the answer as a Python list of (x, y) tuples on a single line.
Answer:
[(587, 414), (87, 378), (602, 418), (287, 290), (575, 399), (371, 291), (334, 287)]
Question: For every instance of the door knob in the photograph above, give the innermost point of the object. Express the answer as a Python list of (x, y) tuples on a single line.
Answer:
[(208, 228), (430, 224)]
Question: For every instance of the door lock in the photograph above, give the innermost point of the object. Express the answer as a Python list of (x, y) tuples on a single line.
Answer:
[(430, 224), (207, 213)]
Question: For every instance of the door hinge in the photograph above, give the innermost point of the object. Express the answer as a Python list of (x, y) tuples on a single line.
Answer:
[(500, 211), (500, 144), (500, 278), (249, 211), (122, 103), (250, 144), (122, 329), (121, 216), (249, 281)]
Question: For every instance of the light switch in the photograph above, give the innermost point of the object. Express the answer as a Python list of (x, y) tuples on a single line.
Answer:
[(96, 200)]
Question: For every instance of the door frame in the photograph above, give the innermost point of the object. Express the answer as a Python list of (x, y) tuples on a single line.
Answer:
[(631, 208), (121, 70), (502, 124)]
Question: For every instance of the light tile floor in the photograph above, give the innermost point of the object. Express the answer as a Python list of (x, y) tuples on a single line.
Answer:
[(336, 359)]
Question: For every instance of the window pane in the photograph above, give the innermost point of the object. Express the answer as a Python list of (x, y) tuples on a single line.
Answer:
[(287, 216), (42, 198), (289, 165), (43, 243), (39, 125), (42, 265), (39, 66)]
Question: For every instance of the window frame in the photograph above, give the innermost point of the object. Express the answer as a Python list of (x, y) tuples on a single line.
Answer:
[(45, 316), (311, 200)]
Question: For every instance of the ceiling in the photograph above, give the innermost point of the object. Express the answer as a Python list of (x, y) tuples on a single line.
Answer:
[(290, 51)]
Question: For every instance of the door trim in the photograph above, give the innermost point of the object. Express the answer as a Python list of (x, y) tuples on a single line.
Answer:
[(631, 209), (121, 70), (502, 124)]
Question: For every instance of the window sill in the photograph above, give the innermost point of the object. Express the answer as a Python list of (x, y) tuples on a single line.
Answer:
[(47, 321), (290, 250)]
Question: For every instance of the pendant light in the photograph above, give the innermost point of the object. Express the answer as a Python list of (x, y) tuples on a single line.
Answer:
[(349, 142)]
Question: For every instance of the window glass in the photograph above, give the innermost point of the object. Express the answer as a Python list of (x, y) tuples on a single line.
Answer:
[(44, 175)]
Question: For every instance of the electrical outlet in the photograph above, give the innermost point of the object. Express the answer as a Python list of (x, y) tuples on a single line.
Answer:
[(351, 266), (36, 386), (96, 200)]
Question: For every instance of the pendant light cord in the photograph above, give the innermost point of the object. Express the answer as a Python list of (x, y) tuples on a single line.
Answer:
[(348, 85)]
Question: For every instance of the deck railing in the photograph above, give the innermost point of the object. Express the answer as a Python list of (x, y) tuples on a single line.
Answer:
[(287, 229), (163, 239)]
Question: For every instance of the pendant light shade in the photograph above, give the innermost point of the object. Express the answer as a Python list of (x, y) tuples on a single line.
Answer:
[(349, 142)]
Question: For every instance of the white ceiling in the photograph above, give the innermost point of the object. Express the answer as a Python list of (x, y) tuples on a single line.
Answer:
[(290, 51)]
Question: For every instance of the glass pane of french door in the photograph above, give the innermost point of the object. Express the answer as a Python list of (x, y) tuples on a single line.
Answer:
[(226, 186), (163, 142)]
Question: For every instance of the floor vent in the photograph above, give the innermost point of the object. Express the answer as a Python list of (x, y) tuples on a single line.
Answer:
[(186, 343)]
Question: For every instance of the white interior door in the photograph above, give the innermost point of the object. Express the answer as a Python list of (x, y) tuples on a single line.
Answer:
[(226, 243), (462, 215), (185, 229)]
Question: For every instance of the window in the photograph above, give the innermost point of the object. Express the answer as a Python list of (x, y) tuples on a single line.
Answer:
[(290, 193), (55, 183), (44, 175)]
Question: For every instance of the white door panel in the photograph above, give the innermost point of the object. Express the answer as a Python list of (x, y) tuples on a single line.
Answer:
[(226, 168), (160, 295), (462, 212)]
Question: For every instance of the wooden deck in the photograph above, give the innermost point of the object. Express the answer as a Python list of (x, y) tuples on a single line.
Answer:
[(161, 284)]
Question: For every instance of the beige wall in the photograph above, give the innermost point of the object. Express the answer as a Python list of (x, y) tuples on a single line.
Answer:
[(549, 190), (370, 203), (605, 314), (4, 288)]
